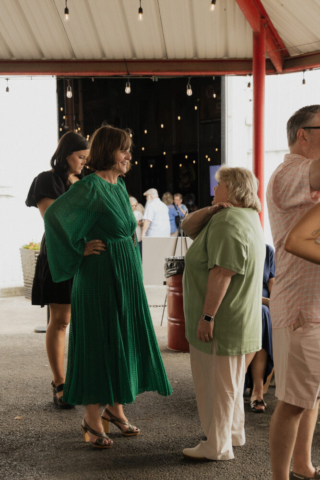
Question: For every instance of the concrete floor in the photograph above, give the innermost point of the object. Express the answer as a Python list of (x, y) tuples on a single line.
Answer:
[(39, 442)]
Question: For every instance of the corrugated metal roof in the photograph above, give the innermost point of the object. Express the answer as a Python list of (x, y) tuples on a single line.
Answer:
[(109, 29), (170, 30)]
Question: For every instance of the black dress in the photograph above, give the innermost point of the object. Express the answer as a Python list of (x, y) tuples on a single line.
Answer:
[(44, 290)]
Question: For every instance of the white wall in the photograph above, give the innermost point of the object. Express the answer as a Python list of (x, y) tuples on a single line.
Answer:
[(28, 138), (284, 95)]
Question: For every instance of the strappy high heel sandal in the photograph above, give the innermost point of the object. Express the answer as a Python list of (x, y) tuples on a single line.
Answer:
[(130, 432), (57, 400), (99, 443)]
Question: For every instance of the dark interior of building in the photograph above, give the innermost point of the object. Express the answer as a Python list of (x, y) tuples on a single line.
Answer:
[(176, 137)]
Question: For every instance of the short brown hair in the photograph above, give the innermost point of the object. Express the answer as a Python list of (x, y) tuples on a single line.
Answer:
[(104, 143), (167, 198), (301, 118), (178, 195)]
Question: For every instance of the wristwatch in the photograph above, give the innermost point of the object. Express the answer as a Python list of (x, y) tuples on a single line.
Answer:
[(207, 318)]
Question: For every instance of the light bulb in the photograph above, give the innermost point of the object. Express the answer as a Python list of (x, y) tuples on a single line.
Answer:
[(140, 15), (186, 156), (69, 91), (214, 95), (151, 166), (131, 135), (189, 89), (128, 88), (61, 109), (162, 126), (194, 161), (7, 89), (64, 117), (209, 159), (179, 118), (249, 85), (180, 165), (146, 131), (217, 149), (213, 4), (164, 153), (195, 107), (136, 163), (142, 148), (66, 12), (206, 156), (60, 129), (167, 166)]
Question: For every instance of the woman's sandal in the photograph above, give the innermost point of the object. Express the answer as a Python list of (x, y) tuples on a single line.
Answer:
[(99, 443), (255, 403), (58, 400), (129, 432)]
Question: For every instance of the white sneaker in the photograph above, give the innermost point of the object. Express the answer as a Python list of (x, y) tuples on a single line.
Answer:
[(194, 453)]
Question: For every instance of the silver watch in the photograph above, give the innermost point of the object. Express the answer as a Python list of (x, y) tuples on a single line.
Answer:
[(207, 318)]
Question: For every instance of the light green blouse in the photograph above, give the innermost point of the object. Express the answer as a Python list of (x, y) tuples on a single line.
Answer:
[(232, 239)]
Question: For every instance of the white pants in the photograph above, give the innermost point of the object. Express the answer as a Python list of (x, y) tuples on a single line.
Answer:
[(218, 382)]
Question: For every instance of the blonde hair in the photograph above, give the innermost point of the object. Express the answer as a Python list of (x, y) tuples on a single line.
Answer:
[(242, 186), (133, 200), (167, 198)]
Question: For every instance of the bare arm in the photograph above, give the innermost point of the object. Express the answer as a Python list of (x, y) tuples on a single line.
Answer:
[(146, 225), (194, 222), (44, 204), (314, 175), (218, 282), (301, 240), (265, 300)]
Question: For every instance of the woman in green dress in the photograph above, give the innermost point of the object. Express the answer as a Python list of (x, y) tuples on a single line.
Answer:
[(113, 351)]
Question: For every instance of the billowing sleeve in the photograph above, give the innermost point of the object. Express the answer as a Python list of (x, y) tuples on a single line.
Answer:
[(45, 185), (226, 247), (67, 223)]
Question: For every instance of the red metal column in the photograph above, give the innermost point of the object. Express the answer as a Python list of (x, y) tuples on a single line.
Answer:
[(259, 72)]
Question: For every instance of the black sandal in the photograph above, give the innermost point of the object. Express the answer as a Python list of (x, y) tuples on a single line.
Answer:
[(57, 400), (255, 403)]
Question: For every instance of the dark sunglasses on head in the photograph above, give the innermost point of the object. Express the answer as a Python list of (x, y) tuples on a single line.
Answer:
[(314, 128)]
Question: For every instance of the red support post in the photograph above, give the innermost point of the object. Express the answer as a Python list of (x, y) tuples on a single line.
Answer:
[(259, 72)]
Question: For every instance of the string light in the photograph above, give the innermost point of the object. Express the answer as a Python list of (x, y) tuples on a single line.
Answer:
[(180, 165), (179, 118), (131, 135), (61, 109), (64, 117), (69, 90), (128, 87), (136, 163), (151, 166), (162, 126), (167, 166), (66, 12), (142, 149), (213, 5), (214, 95), (164, 153), (7, 89), (209, 159), (140, 13), (189, 89), (186, 156), (249, 83), (217, 149), (195, 107), (194, 161), (146, 131), (206, 156), (60, 129), (303, 80)]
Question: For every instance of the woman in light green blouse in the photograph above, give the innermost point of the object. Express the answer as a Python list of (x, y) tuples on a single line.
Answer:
[(222, 304)]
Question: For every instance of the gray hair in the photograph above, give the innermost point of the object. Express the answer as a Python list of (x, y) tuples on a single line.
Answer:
[(301, 118), (242, 186)]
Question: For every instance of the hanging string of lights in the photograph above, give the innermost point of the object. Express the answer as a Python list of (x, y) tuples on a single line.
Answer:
[(66, 12), (213, 5), (140, 13)]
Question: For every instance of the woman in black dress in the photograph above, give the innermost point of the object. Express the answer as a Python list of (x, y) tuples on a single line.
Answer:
[(67, 164)]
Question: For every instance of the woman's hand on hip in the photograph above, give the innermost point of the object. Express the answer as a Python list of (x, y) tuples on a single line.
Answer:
[(94, 247), (205, 330)]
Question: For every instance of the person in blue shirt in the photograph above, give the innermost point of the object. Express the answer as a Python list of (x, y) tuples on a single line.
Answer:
[(176, 210)]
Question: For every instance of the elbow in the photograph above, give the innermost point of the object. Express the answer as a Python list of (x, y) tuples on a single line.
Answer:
[(289, 244)]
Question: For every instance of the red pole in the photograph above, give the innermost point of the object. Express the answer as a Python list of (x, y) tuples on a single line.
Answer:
[(259, 72)]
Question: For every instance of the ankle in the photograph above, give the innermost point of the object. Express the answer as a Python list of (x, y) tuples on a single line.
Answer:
[(303, 468)]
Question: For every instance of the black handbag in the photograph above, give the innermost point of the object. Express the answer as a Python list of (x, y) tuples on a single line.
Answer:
[(177, 218)]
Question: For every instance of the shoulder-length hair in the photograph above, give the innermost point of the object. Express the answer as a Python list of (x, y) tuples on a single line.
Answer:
[(69, 143), (242, 186), (104, 143)]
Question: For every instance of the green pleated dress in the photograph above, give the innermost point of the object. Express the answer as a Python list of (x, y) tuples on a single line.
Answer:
[(113, 351)]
